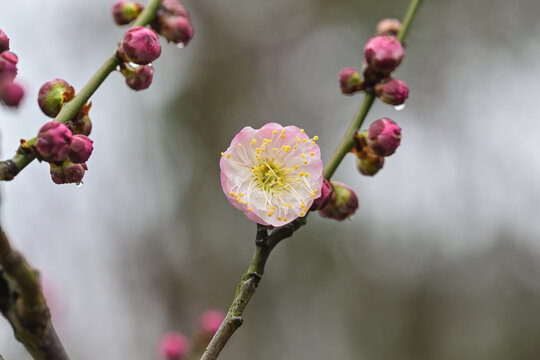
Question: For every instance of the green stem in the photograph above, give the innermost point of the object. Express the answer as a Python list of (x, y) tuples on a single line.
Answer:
[(10, 168), (348, 140), (265, 243)]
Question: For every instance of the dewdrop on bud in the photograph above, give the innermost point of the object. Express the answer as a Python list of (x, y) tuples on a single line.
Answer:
[(139, 78), (343, 203), (392, 91), (383, 53), (52, 95), (326, 193), (350, 81), (8, 65), (125, 11), (67, 172), (4, 41), (173, 346), (53, 141), (387, 27), (141, 45), (80, 149), (176, 29), (11, 93), (384, 137), (174, 8)]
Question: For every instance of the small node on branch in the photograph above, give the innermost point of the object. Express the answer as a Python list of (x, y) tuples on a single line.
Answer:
[(350, 81)]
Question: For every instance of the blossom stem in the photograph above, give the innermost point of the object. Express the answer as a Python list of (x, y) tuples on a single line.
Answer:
[(11, 167), (266, 242)]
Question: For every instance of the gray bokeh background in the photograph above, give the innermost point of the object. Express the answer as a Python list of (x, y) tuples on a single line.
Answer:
[(441, 260)]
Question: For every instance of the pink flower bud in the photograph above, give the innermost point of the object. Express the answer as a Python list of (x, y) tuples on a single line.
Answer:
[(4, 41), (53, 141), (384, 137), (139, 78), (387, 27), (326, 193), (370, 164), (350, 81), (125, 11), (392, 91), (343, 203), (176, 29), (67, 173), (11, 93), (173, 346), (141, 45), (80, 149), (383, 53), (210, 321), (174, 8), (8, 65), (52, 96)]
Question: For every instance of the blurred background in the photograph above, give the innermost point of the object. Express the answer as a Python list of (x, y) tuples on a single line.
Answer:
[(441, 261)]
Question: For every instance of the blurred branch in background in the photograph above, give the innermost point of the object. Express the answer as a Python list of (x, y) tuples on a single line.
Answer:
[(24, 306)]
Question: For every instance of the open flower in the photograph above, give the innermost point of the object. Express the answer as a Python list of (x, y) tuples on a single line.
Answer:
[(273, 174)]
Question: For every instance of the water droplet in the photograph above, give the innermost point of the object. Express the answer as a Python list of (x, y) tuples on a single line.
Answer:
[(118, 68), (180, 45), (133, 65), (399, 107), (151, 65), (79, 184)]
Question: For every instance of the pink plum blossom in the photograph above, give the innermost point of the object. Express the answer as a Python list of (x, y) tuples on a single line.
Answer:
[(273, 174), (211, 320)]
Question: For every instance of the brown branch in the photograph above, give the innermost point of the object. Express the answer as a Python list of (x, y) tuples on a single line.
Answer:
[(24, 306)]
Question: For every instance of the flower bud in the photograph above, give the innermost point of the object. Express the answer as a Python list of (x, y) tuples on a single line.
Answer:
[(174, 8), (52, 96), (125, 11), (370, 164), (326, 193), (392, 91), (176, 29), (80, 149), (11, 93), (388, 27), (383, 53), (141, 45), (343, 203), (350, 81), (139, 78), (384, 136), (173, 346), (4, 41), (53, 141), (81, 124), (67, 172), (8, 65)]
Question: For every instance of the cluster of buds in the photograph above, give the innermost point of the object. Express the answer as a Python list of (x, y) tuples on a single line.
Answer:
[(176, 346), (140, 45), (372, 146), (11, 92), (66, 147), (383, 53)]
